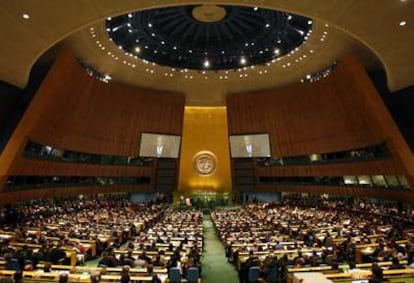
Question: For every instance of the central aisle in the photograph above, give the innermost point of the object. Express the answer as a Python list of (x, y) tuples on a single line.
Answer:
[(215, 268)]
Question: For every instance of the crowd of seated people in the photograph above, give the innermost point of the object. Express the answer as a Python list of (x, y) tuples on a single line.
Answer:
[(173, 244), (65, 231), (304, 233)]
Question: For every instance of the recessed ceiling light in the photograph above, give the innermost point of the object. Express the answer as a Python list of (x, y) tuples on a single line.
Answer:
[(256, 8), (137, 49), (206, 63), (403, 23), (25, 16), (243, 60)]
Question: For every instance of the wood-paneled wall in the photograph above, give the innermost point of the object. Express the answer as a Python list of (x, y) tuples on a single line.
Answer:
[(45, 193), (88, 115), (74, 111), (374, 167), (326, 116), (338, 113), (403, 196), (31, 167)]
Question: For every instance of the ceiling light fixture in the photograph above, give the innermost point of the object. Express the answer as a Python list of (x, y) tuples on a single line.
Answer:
[(403, 23), (243, 60), (26, 16)]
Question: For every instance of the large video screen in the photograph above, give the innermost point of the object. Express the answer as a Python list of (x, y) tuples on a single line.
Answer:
[(249, 146), (159, 145)]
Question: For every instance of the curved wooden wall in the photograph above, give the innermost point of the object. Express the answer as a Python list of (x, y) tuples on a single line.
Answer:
[(325, 116), (403, 196), (29, 167), (338, 113), (44, 193), (75, 111), (91, 116), (374, 167)]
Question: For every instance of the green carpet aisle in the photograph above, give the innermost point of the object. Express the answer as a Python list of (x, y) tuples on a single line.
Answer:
[(215, 268)]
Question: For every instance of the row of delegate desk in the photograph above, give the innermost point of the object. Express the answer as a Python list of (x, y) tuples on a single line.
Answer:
[(170, 234), (82, 274), (191, 233), (261, 240), (73, 232)]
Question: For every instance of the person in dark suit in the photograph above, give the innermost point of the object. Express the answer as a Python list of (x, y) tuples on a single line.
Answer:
[(250, 262), (63, 278), (109, 260), (376, 275), (56, 254), (143, 256), (125, 277), (396, 264)]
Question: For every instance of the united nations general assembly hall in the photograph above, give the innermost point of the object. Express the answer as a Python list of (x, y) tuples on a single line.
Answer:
[(207, 141)]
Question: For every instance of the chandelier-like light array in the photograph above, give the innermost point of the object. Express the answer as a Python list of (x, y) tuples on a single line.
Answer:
[(208, 37)]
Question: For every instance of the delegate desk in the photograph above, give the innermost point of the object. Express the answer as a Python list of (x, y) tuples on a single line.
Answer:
[(70, 253), (362, 274), (107, 270), (310, 277), (40, 276)]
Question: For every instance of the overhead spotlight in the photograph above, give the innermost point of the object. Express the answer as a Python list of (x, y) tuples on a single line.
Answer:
[(256, 8), (277, 51), (243, 60), (206, 63), (149, 25), (267, 25), (130, 16), (310, 22), (26, 16), (403, 23), (109, 18)]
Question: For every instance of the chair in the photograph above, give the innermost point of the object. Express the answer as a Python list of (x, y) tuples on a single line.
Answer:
[(272, 275), (253, 275), (192, 275), (13, 264), (174, 275)]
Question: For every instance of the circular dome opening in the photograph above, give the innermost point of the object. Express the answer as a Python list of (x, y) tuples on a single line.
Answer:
[(208, 37)]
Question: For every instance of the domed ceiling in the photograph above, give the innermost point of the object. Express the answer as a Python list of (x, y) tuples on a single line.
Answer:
[(209, 36), (301, 39)]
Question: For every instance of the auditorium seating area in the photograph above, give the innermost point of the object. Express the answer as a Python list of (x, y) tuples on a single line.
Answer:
[(110, 239), (275, 241), (51, 237)]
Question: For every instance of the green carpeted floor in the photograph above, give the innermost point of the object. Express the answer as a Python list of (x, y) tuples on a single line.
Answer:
[(215, 267)]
